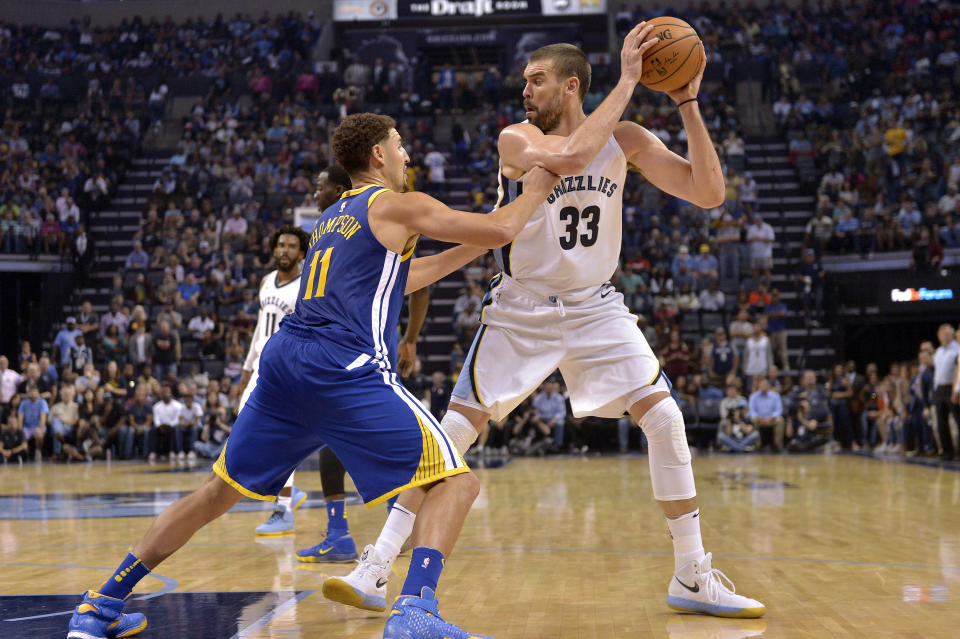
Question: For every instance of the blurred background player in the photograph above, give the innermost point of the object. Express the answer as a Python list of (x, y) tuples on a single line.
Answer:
[(278, 297), (553, 298)]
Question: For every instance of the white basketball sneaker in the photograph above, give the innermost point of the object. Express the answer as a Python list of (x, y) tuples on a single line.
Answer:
[(698, 587), (365, 587)]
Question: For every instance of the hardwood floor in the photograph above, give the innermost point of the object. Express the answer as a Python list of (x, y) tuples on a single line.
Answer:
[(835, 546)]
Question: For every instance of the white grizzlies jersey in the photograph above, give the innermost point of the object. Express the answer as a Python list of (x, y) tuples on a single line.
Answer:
[(572, 240), (275, 302)]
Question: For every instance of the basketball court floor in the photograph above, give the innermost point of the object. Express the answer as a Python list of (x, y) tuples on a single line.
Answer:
[(836, 546)]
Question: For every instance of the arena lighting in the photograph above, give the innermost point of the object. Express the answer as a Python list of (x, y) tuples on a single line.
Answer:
[(921, 294)]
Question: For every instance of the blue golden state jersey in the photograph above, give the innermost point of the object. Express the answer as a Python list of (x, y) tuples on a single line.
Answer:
[(352, 287)]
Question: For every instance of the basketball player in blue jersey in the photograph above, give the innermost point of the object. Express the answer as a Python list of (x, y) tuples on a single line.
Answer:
[(552, 306), (327, 378), (338, 545)]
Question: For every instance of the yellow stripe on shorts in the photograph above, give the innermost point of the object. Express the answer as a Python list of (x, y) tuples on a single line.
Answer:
[(220, 468), (430, 469)]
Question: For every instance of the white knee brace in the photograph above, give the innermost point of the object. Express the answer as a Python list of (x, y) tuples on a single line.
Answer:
[(670, 470), (459, 429)]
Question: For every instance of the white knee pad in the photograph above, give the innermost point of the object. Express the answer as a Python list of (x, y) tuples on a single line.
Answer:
[(670, 470), (459, 429)]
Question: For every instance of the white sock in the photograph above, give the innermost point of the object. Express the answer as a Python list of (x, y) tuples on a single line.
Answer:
[(687, 544), (398, 527), (286, 502)]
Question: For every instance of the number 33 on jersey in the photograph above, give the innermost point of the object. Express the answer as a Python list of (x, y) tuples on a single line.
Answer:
[(583, 217)]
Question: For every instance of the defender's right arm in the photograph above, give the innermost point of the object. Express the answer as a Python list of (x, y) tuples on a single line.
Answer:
[(420, 214), (523, 146)]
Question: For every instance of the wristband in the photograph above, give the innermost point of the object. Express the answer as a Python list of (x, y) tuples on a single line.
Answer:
[(685, 101)]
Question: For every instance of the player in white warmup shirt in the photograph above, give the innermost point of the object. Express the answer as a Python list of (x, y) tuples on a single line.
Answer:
[(554, 307)]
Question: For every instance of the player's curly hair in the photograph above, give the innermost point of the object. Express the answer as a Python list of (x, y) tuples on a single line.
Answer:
[(356, 135), (289, 229)]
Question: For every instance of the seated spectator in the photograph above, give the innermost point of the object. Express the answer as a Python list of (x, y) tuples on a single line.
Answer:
[(766, 413), (675, 356), (188, 293), (216, 427), (803, 431), (550, 413), (211, 347), (200, 324), (706, 268), (759, 299), (712, 299), (13, 442), (63, 423), (736, 433), (166, 421), (91, 415), (137, 259), (32, 417), (190, 423), (132, 435)]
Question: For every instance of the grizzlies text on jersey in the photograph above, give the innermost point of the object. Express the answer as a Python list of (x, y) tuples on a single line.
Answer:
[(572, 240)]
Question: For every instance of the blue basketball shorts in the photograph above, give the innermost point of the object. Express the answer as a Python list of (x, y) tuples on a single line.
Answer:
[(313, 391)]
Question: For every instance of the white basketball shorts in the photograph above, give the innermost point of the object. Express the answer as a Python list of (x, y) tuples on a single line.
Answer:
[(591, 337)]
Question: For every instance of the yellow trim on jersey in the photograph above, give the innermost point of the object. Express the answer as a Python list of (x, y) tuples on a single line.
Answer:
[(361, 189), (376, 195), (473, 366), (431, 468), (406, 256), (220, 468)]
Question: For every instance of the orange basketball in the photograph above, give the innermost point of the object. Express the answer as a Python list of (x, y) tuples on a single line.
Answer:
[(676, 59)]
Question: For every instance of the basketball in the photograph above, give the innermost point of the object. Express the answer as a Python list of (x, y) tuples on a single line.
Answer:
[(676, 59)]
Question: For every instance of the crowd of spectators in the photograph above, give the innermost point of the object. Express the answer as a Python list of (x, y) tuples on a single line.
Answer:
[(183, 305)]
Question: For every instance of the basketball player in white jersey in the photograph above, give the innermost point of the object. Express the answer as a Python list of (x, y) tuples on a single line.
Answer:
[(278, 297), (554, 307)]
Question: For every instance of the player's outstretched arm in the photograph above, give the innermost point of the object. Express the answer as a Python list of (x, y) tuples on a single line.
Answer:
[(424, 271), (698, 180), (523, 146), (421, 214)]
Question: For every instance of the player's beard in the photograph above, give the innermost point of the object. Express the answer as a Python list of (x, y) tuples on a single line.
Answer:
[(547, 117), (291, 264)]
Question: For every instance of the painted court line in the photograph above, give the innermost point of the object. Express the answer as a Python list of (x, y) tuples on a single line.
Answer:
[(273, 614), (168, 586)]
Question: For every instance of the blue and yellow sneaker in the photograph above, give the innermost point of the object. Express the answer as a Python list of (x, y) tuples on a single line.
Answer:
[(418, 618), (336, 548), (101, 617)]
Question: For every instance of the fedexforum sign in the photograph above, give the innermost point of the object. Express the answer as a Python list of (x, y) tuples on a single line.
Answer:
[(922, 294)]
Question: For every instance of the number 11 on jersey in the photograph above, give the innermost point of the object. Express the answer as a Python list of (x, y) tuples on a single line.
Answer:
[(322, 279)]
